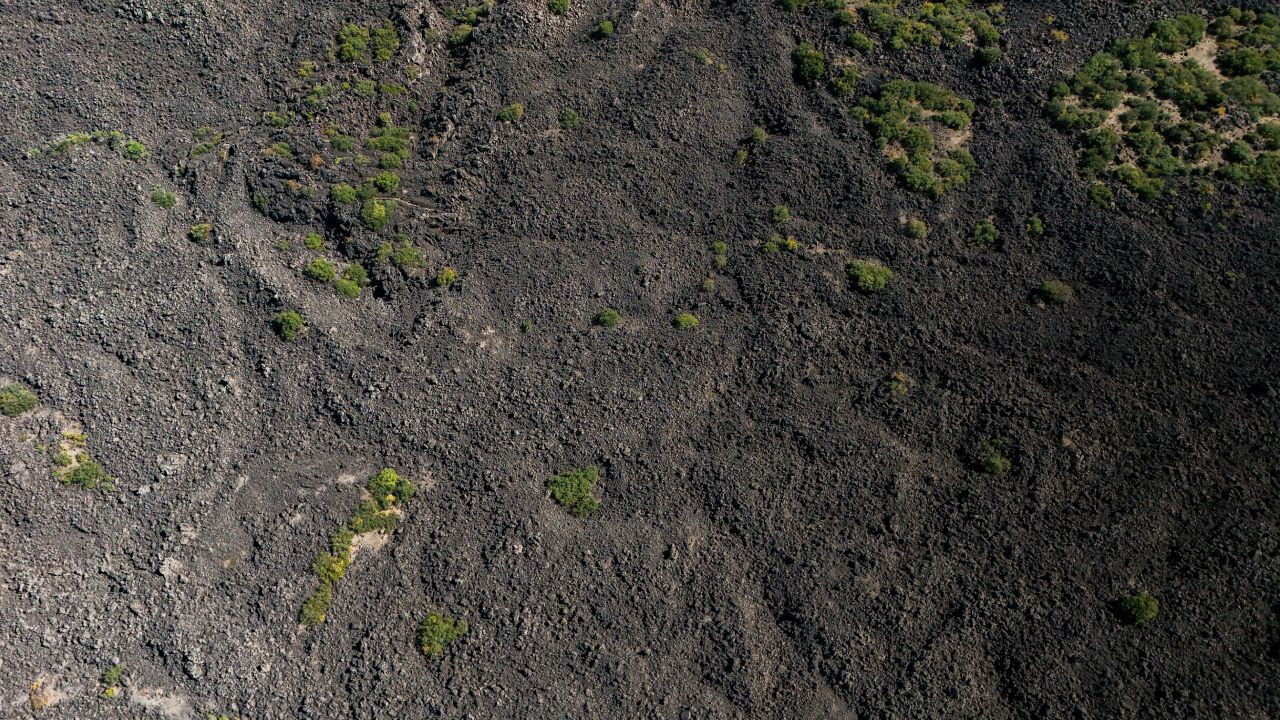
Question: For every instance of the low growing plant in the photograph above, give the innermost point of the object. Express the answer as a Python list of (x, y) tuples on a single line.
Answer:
[(15, 400), (575, 490)]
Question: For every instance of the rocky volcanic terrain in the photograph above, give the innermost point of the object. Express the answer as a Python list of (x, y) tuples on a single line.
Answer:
[(913, 380)]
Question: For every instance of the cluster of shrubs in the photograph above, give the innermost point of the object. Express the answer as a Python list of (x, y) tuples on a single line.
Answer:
[(353, 279), (436, 631), (752, 144), (1116, 106), (16, 399), (72, 464), (939, 23), (575, 490), (360, 44), (387, 493), (466, 18), (900, 117), (869, 276), (128, 148)]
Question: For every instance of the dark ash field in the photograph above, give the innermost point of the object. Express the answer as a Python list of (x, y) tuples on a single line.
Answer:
[(847, 466)]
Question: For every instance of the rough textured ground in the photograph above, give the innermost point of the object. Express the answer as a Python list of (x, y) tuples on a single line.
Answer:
[(779, 537)]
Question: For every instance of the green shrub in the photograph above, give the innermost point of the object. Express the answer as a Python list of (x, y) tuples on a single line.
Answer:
[(386, 181), (844, 82), (342, 143), (343, 193), (685, 321), (111, 680), (313, 241), (869, 276), (810, 63), (163, 198), (356, 273), (1101, 195), (461, 35), (407, 255), (1035, 227), (200, 232), (288, 324), (917, 228), (512, 112), (133, 150), (89, 475), (860, 42), (559, 7), (314, 609), (320, 269), (570, 119), (446, 277), (985, 235), (1135, 609), (353, 43), (436, 631), (346, 288), (15, 400), (1055, 292), (608, 317), (375, 214), (574, 490), (385, 41), (780, 214), (330, 568), (390, 490), (991, 456), (604, 29), (758, 136)]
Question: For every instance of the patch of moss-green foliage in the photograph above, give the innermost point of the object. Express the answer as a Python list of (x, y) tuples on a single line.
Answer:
[(128, 148), (386, 493), (163, 198), (437, 631), (320, 269), (992, 458), (390, 141), (1055, 292), (780, 214), (16, 399), (940, 23), (575, 490), (111, 678), (85, 472), (604, 29), (402, 254), (359, 44), (917, 228), (386, 181), (570, 119), (720, 254), (200, 232), (608, 317), (685, 321), (313, 241), (1035, 227), (810, 63), (288, 324), (558, 7), (375, 214), (446, 277), (869, 276), (512, 112), (1135, 609), (923, 130), (343, 193), (1148, 110), (984, 235)]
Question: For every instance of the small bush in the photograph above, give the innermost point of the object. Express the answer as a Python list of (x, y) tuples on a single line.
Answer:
[(574, 490), (437, 631), (356, 273), (985, 235), (288, 324), (313, 241), (869, 276), (133, 150), (200, 232), (685, 321), (1035, 227), (390, 490), (1135, 609), (1102, 196), (810, 63), (320, 269), (559, 7), (89, 475), (844, 82), (314, 609), (608, 317), (570, 119), (15, 400), (330, 568), (758, 136), (604, 29), (991, 456), (353, 43), (346, 288), (1055, 292), (446, 277), (163, 198), (386, 181), (375, 214), (406, 255), (512, 112), (780, 214), (111, 680), (343, 193), (916, 228)]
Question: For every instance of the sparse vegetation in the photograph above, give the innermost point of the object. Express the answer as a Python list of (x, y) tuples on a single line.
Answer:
[(575, 490), (343, 193), (446, 277), (512, 112), (16, 400), (923, 130), (437, 631), (943, 23), (1135, 609), (111, 680), (1035, 227), (313, 241), (869, 276), (375, 214), (917, 228), (163, 198), (604, 29), (200, 232), (570, 119), (810, 63), (320, 269), (288, 324), (386, 492), (685, 321), (780, 214), (558, 7)]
